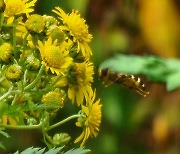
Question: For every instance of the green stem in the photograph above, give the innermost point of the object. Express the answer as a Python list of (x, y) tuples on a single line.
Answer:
[(32, 84), (14, 100), (14, 36), (6, 94), (1, 20), (63, 121), (24, 78), (24, 45), (21, 127)]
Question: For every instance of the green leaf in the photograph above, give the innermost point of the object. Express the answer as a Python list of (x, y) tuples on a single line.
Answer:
[(173, 81), (33, 150), (54, 150), (2, 146), (155, 68), (124, 64), (4, 133), (78, 151)]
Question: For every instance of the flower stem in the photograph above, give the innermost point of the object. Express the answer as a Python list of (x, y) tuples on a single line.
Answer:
[(14, 36), (24, 77), (32, 84), (21, 127), (6, 94), (1, 20), (63, 121)]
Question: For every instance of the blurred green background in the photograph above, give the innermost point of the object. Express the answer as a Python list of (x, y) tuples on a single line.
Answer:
[(131, 124)]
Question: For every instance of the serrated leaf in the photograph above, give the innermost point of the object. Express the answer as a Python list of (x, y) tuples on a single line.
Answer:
[(78, 151), (32, 150), (54, 150), (38, 150)]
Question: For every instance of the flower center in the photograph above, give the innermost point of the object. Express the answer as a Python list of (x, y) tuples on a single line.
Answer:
[(53, 56)]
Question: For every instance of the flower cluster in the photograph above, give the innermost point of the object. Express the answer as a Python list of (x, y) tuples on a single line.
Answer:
[(45, 62)]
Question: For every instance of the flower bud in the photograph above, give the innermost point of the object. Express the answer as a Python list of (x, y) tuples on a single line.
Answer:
[(55, 98), (49, 21), (56, 34), (35, 23), (61, 139), (13, 72), (6, 51), (32, 63), (31, 121)]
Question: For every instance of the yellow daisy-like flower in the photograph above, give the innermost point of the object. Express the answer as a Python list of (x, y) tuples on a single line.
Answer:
[(54, 57), (80, 79), (77, 28), (91, 122), (17, 7)]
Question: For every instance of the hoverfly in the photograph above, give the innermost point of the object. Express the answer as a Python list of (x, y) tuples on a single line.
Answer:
[(129, 81)]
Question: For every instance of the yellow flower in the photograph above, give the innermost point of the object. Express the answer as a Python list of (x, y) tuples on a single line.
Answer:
[(56, 33), (13, 72), (54, 57), (77, 28), (6, 51), (17, 7), (35, 23), (79, 80), (55, 98), (91, 122)]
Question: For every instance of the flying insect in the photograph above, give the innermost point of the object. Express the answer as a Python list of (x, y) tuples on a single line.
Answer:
[(129, 81)]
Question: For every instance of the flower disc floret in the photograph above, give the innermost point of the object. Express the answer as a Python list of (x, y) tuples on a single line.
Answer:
[(54, 57), (35, 23), (56, 33), (54, 98), (6, 51), (13, 72)]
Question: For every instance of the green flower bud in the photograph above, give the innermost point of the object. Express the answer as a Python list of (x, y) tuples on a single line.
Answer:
[(31, 121), (55, 98), (61, 139), (13, 72), (6, 51), (32, 63), (49, 21), (35, 23), (56, 33)]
